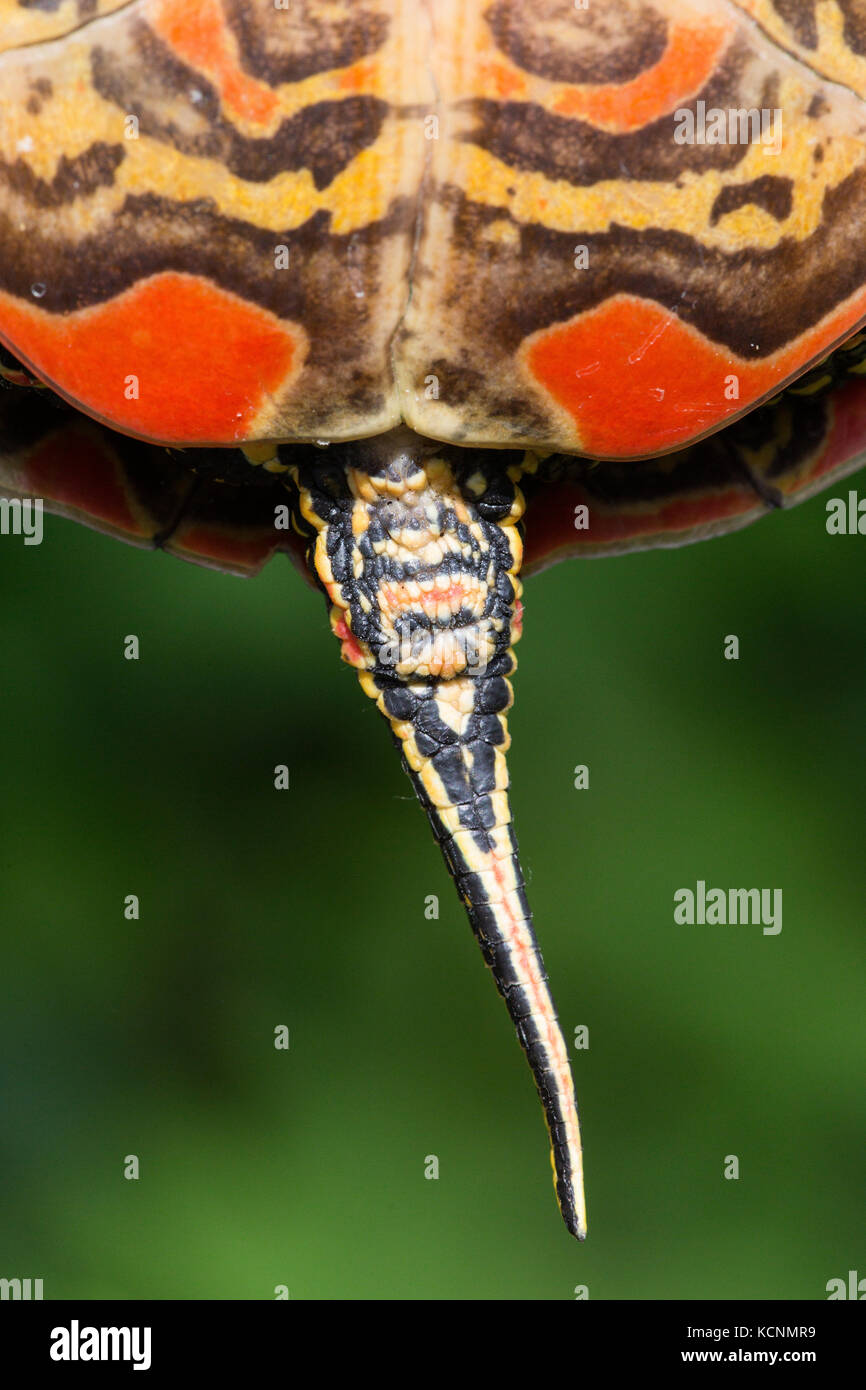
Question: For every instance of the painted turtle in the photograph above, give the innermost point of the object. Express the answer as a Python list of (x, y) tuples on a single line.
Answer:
[(363, 282)]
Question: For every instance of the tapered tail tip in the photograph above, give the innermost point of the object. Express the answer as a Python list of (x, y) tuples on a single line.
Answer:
[(575, 1222), (568, 1186)]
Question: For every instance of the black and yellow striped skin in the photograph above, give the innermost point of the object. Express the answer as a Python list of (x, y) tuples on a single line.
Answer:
[(418, 554)]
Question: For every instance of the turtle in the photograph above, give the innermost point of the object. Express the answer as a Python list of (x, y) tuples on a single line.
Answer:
[(427, 298)]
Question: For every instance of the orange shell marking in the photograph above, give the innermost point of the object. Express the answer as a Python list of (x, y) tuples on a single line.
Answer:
[(552, 534), (638, 381), (848, 433), (74, 466), (687, 63), (243, 549), (198, 34), (201, 361)]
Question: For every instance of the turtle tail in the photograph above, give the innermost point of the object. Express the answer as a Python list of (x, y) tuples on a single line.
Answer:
[(454, 736), (418, 553)]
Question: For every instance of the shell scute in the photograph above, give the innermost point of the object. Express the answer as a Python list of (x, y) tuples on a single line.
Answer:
[(476, 217)]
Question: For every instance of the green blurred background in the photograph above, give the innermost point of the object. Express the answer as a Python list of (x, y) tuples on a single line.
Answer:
[(306, 908)]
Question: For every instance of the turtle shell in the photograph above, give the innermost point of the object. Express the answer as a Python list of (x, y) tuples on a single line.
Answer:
[(605, 232), (213, 508)]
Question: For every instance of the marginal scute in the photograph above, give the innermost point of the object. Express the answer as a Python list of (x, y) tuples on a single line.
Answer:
[(672, 385), (159, 347), (779, 455)]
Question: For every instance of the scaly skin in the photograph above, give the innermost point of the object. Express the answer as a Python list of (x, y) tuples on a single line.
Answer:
[(418, 552)]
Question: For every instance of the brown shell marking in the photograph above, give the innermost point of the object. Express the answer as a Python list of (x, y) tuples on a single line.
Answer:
[(473, 216), (278, 166)]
